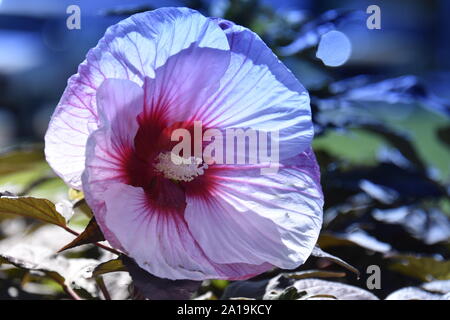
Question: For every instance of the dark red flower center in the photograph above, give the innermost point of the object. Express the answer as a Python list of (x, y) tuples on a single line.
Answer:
[(152, 140)]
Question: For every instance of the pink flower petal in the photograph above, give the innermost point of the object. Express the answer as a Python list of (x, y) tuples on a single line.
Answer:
[(162, 244), (131, 49), (248, 43), (185, 83), (119, 104), (259, 92), (254, 218)]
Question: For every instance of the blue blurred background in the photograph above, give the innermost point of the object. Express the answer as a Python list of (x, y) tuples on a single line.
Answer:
[(38, 54)]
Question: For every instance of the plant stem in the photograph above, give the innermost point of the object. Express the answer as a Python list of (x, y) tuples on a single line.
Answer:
[(102, 287), (71, 293), (96, 243)]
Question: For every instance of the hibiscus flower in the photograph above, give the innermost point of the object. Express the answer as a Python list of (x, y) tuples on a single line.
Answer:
[(110, 136)]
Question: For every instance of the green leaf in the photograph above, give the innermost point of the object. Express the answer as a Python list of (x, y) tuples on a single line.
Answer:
[(439, 286), (148, 286), (316, 288), (355, 238), (444, 135), (314, 274), (79, 202), (220, 284), (114, 265), (24, 158), (91, 234), (290, 293), (423, 268), (82, 206), (70, 274), (25, 172), (30, 207), (319, 253), (327, 240), (280, 287), (413, 293), (402, 142), (27, 265)]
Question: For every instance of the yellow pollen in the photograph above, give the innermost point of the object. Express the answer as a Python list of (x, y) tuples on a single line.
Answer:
[(178, 168)]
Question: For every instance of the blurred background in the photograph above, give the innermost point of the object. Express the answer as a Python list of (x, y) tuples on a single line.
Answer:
[(38, 54), (381, 113)]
